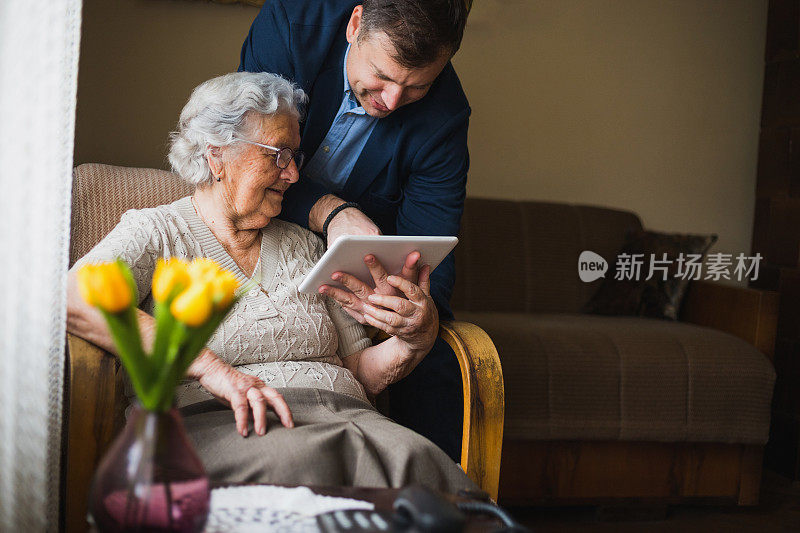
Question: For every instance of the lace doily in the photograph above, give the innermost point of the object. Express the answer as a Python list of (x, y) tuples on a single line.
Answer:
[(261, 508)]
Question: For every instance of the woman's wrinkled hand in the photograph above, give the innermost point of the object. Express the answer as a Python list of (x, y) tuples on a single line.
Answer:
[(412, 318), (354, 297), (246, 395), (413, 322), (399, 305)]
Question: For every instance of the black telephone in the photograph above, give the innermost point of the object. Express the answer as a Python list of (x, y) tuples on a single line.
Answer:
[(416, 509)]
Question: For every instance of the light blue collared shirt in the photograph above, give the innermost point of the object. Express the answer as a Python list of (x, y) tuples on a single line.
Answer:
[(336, 156)]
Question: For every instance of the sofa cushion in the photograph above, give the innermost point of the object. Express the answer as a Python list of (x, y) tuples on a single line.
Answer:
[(572, 376), (656, 296)]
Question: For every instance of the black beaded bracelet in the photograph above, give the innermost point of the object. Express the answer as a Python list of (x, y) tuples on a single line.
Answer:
[(335, 212)]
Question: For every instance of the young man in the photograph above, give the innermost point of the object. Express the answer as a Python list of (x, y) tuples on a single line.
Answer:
[(385, 135)]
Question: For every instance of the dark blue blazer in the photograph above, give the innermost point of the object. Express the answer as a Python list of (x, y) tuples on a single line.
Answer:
[(411, 176)]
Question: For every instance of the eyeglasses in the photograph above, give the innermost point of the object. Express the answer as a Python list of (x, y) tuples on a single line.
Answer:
[(284, 155)]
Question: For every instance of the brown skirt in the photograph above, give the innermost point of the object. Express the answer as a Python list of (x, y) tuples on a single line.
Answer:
[(337, 440)]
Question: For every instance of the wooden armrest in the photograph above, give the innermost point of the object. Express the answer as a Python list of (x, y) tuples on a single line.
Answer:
[(484, 402), (750, 314), (94, 413)]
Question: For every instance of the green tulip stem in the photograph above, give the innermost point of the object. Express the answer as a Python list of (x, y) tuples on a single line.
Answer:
[(124, 329), (165, 323)]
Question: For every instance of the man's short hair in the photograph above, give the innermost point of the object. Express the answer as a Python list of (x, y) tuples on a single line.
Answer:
[(420, 30)]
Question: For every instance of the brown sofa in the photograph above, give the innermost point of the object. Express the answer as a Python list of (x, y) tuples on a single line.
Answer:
[(608, 408)]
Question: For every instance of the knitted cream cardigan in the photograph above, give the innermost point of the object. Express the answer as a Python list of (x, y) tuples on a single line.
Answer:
[(285, 338)]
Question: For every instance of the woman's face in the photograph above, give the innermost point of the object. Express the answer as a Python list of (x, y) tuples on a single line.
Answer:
[(252, 184)]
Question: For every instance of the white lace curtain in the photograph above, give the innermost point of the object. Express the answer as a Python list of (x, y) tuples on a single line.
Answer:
[(39, 43)]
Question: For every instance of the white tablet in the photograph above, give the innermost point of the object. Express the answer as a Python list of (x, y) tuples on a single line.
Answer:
[(347, 255)]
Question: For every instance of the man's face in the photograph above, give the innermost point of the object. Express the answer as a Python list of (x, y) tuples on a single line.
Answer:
[(379, 83)]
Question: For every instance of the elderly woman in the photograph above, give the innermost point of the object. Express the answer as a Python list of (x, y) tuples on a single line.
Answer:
[(279, 355)]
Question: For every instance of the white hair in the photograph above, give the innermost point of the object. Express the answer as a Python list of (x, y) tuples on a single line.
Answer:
[(216, 114)]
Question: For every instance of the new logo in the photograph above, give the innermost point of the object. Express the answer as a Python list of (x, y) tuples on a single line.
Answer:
[(591, 266)]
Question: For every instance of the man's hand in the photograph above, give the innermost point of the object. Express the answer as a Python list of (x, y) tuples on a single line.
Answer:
[(349, 221), (355, 298)]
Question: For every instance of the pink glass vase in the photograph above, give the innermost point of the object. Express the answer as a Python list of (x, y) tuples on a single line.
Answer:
[(151, 479)]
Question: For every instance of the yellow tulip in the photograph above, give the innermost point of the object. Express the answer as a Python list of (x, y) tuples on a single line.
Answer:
[(104, 286), (203, 269), (223, 288), (193, 306), (170, 276)]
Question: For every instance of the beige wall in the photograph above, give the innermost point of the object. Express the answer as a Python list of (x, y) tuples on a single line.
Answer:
[(642, 104), (140, 60)]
